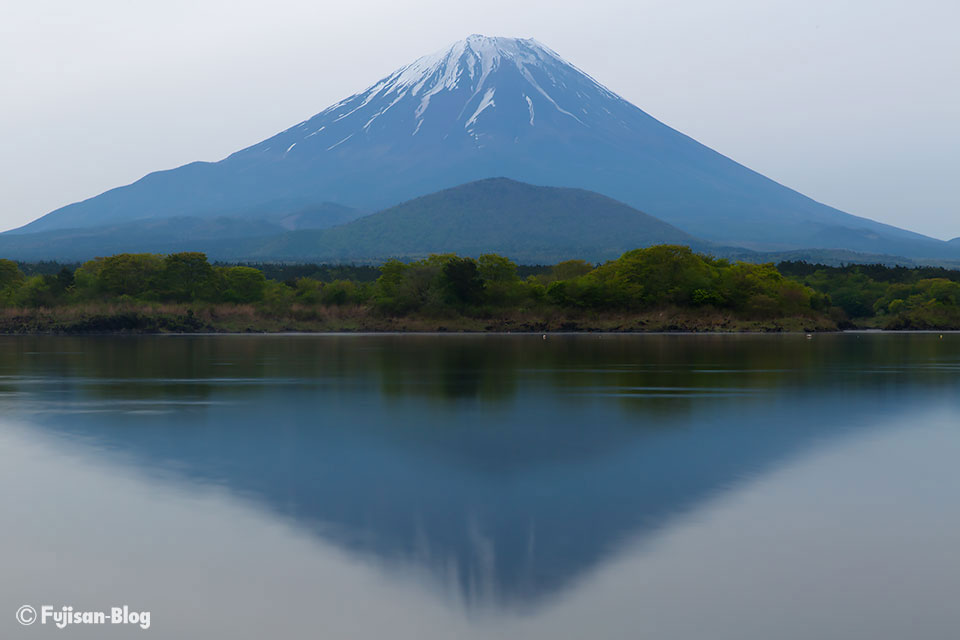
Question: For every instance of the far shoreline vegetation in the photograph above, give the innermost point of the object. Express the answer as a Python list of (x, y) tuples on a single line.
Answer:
[(660, 288)]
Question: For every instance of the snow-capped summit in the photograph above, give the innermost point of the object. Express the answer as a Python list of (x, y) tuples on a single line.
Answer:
[(479, 89), (492, 107), (469, 64)]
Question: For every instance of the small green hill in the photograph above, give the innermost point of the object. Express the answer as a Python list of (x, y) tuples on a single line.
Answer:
[(528, 223)]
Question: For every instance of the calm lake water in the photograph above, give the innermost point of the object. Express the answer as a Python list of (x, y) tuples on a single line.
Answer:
[(437, 487)]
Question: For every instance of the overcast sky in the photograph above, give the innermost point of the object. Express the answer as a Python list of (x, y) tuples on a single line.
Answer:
[(854, 103)]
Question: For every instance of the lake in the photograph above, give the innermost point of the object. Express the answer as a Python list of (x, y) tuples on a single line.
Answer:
[(484, 486)]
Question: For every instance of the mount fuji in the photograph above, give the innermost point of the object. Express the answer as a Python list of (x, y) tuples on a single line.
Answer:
[(488, 107)]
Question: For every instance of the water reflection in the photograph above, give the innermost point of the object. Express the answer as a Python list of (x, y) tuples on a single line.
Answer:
[(507, 468)]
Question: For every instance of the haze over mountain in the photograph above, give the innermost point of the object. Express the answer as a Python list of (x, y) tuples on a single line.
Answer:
[(482, 108)]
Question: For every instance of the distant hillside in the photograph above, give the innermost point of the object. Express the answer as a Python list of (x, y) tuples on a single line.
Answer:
[(525, 222), (223, 236)]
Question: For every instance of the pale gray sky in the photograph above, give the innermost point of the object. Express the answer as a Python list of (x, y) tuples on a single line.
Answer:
[(854, 102)]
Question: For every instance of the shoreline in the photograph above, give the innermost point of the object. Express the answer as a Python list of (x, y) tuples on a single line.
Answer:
[(462, 333), (231, 319), (247, 320)]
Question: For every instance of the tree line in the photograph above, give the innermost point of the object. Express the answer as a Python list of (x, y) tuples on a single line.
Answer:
[(663, 276), (892, 297)]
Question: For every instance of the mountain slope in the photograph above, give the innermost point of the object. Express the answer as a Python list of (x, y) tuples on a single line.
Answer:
[(525, 222), (218, 236), (495, 107), (214, 236)]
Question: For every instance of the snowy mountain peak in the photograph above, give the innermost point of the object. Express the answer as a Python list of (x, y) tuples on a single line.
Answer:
[(480, 90), (469, 59)]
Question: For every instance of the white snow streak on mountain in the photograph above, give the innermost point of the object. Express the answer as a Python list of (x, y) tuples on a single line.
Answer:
[(466, 65), (486, 102)]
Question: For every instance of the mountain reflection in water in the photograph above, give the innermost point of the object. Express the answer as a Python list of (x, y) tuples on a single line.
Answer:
[(506, 467)]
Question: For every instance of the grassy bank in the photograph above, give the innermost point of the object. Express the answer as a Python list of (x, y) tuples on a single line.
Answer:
[(139, 318)]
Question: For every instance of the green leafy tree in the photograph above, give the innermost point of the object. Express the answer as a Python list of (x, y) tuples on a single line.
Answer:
[(276, 297), (663, 274), (386, 289), (307, 290), (569, 269), (943, 291), (340, 292), (46, 290), (186, 277), (129, 274), (461, 277), (417, 286), (496, 269), (245, 285), (10, 274), (11, 279)]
